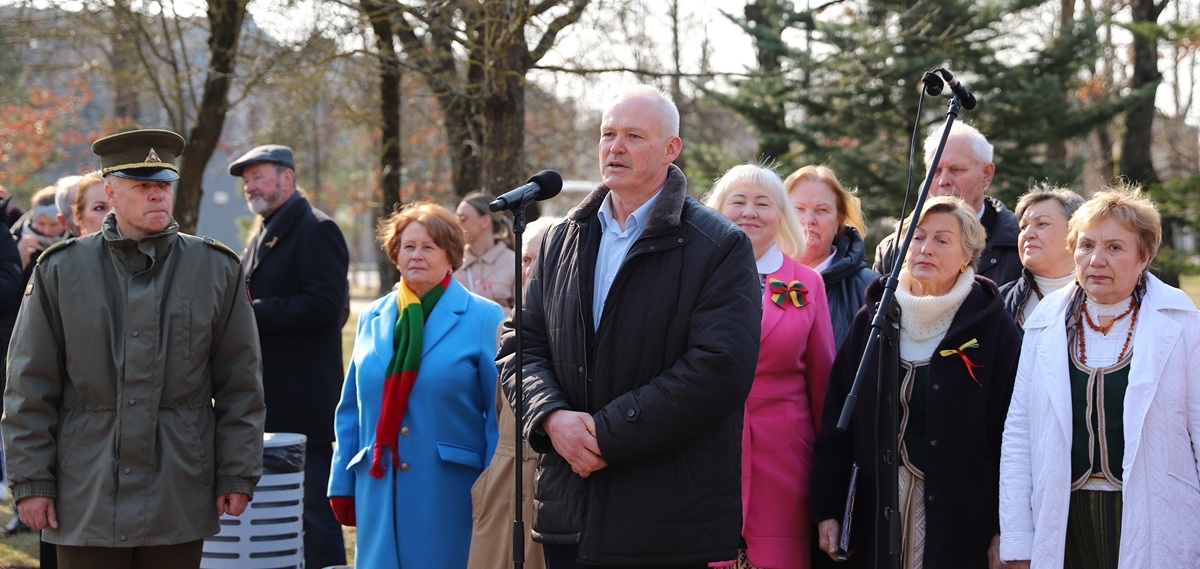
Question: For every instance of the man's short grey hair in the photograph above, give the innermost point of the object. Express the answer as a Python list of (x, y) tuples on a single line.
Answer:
[(667, 108), (982, 149)]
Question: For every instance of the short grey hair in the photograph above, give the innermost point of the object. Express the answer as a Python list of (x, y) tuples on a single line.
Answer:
[(981, 148), (1069, 200), (667, 108)]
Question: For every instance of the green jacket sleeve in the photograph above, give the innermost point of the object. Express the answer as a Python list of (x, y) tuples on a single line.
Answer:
[(237, 391), (33, 395)]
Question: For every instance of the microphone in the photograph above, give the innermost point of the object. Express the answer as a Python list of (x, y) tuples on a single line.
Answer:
[(542, 186), (933, 83), (964, 96)]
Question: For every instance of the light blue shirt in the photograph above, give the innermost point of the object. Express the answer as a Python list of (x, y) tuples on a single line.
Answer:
[(614, 246)]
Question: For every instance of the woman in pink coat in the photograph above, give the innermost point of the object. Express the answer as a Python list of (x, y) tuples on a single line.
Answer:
[(795, 354)]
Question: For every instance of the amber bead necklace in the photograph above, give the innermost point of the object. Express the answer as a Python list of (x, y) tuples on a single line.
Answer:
[(1087, 317)]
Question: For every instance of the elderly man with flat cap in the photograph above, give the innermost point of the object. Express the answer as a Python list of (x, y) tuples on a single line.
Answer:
[(296, 266), (133, 415)]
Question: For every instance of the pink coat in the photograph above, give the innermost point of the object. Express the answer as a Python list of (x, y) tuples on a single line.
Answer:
[(783, 414)]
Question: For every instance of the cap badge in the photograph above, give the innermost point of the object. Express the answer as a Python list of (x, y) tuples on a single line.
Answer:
[(153, 156)]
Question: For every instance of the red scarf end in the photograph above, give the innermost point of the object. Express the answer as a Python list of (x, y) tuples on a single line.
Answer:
[(376, 470)]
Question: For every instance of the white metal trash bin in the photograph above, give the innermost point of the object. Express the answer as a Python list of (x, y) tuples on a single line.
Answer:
[(269, 534)]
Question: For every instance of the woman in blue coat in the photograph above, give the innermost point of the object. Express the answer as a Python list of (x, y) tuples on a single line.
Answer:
[(416, 422)]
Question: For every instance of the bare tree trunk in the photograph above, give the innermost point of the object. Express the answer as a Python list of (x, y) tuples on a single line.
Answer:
[(1136, 161), (677, 64), (225, 25), (123, 58), (765, 15), (1066, 24), (391, 159), (483, 107)]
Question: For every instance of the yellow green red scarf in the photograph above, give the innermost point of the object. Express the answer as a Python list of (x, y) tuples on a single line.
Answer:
[(402, 370)]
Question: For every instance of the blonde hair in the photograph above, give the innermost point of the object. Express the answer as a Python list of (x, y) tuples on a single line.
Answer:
[(86, 181), (849, 205), (1125, 203), (790, 238), (974, 237)]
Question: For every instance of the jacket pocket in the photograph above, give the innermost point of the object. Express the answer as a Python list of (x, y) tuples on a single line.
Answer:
[(360, 456), (84, 440), (456, 454), (183, 444), (1187, 479)]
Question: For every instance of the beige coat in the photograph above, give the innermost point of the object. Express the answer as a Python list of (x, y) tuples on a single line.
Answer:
[(134, 390), (492, 501), (491, 275)]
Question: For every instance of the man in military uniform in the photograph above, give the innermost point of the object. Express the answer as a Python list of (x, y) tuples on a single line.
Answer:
[(134, 407)]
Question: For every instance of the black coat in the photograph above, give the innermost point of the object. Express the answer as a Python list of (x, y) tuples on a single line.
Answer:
[(12, 284), (1016, 295), (296, 269), (1000, 260), (964, 426), (846, 281), (665, 377)]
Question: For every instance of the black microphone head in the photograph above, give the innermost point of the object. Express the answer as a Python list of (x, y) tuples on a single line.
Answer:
[(549, 181), (933, 83)]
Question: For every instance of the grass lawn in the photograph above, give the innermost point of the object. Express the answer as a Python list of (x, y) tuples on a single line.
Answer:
[(1191, 285), (19, 551)]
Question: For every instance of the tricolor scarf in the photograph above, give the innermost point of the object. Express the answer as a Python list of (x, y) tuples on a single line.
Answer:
[(402, 370)]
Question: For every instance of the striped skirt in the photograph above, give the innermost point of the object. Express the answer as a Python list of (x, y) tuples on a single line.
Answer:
[(1093, 530)]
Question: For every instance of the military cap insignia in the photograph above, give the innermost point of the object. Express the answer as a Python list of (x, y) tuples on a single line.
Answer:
[(152, 156)]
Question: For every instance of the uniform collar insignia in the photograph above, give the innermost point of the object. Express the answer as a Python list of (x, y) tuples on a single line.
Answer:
[(271, 244)]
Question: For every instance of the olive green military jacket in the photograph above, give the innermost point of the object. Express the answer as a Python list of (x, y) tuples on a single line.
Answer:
[(134, 392)]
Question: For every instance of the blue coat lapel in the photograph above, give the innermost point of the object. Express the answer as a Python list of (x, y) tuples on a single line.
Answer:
[(445, 315), (442, 320)]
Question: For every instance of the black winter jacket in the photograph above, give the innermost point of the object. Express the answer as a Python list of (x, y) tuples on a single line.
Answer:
[(846, 281), (1016, 294), (963, 431), (665, 376), (1000, 260)]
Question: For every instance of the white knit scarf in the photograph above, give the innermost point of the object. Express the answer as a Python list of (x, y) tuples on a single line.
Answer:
[(924, 320)]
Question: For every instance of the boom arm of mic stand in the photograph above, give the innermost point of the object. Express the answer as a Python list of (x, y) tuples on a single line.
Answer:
[(885, 327), (889, 291)]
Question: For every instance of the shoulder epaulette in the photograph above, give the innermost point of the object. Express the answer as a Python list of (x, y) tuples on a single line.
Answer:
[(56, 247), (221, 247)]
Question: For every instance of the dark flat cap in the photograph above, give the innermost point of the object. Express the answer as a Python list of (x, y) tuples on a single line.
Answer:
[(272, 153), (148, 154)]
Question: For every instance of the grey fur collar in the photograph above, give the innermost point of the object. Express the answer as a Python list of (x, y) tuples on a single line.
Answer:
[(664, 214)]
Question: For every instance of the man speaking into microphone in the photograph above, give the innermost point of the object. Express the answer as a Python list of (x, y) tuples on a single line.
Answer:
[(641, 326)]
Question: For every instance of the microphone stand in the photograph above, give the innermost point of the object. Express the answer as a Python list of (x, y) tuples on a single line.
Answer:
[(884, 338), (518, 536)]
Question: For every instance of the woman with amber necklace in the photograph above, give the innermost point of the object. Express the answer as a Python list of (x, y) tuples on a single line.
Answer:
[(1101, 454)]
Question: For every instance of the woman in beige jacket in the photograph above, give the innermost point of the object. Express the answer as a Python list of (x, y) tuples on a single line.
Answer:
[(489, 266), (492, 494)]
